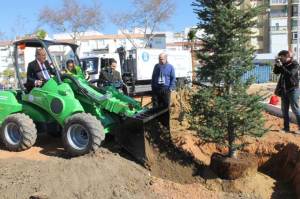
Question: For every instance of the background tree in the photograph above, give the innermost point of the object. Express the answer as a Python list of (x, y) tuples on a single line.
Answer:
[(72, 17), (224, 111), (8, 73), (41, 33), (19, 28), (2, 34), (148, 15)]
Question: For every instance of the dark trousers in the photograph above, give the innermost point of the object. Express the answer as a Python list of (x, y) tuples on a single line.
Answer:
[(290, 99), (161, 98)]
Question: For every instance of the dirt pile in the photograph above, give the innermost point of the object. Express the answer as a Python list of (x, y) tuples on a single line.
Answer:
[(169, 189), (285, 165), (102, 175), (265, 90)]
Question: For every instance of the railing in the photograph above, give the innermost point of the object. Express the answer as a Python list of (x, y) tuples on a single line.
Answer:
[(279, 2), (278, 14), (278, 28), (262, 74)]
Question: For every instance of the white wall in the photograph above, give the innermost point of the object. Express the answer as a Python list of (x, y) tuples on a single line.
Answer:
[(280, 21), (5, 57), (279, 42)]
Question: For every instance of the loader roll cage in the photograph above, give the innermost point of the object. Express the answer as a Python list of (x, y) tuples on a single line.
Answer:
[(45, 44)]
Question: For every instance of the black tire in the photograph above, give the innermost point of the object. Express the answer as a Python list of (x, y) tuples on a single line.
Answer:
[(88, 140), (18, 132)]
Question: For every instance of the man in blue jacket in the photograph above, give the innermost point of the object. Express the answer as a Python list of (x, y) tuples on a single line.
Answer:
[(163, 82)]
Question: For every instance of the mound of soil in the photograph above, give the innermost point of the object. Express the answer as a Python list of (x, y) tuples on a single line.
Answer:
[(103, 174), (285, 165)]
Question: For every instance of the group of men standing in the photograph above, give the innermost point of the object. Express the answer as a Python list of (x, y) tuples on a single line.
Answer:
[(162, 82)]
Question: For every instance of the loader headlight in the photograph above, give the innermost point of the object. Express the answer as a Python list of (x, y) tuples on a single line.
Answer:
[(56, 106)]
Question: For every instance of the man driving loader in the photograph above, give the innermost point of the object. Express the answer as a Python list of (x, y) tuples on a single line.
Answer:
[(39, 70), (109, 75)]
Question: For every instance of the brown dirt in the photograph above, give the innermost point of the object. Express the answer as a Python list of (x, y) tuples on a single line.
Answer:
[(265, 90), (103, 174), (259, 185)]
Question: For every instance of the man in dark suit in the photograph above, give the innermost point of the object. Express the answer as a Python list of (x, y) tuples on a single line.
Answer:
[(109, 75), (39, 70)]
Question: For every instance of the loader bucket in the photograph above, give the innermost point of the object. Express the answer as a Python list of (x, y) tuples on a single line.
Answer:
[(140, 134)]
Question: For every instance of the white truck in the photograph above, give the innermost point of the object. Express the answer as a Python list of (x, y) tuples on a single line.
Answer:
[(136, 66)]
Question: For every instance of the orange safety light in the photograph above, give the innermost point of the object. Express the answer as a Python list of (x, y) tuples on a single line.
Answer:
[(22, 46)]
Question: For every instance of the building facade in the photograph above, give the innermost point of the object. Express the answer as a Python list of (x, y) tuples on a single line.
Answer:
[(5, 55), (97, 43), (260, 38)]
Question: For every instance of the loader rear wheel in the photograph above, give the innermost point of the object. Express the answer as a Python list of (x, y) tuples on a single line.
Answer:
[(82, 134), (18, 132)]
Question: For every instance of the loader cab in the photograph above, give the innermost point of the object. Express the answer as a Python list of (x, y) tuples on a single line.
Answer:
[(57, 54)]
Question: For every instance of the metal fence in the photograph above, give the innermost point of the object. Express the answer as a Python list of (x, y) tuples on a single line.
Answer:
[(262, 74)]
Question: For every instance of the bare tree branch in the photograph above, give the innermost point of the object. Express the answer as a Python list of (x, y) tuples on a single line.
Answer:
[(2, 35), (72, 17), (148, 15)]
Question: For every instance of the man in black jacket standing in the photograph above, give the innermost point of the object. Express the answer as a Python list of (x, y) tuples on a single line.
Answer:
[(288, 87), (39, 70)]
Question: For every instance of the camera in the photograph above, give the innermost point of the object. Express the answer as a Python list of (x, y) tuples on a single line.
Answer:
[(278, 62)]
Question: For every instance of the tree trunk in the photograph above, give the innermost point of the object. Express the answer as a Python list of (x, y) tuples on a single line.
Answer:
[(230, 129), (231, 138), (193, 65)]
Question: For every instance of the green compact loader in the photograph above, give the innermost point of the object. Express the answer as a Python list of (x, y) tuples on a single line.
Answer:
[(68, 106)]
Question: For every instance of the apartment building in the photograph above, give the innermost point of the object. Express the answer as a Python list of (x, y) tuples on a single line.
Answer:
[(95, 42), (5, 55), (260, 38), (284, 25)]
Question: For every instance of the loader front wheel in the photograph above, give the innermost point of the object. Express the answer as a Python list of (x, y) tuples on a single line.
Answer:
[(82, 134), (18, 132)]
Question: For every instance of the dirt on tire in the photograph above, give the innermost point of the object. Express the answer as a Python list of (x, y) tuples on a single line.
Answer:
[(25, 127)]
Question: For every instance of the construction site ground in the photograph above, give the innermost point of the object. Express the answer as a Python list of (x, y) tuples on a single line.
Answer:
[(45, 171)]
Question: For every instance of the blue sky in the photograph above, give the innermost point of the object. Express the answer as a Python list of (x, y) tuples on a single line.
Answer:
[(20, 16)]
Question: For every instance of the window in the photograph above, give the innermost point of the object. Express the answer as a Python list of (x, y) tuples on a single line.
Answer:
[(294, 35), (294, 10), (277, 26)]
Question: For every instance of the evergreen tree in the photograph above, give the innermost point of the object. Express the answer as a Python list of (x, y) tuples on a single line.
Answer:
[(224, 111)]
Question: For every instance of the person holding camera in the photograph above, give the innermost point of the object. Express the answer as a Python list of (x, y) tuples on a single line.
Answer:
[(288, 87)]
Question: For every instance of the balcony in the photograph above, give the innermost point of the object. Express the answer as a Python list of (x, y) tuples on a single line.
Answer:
[(278, 2), (278, 14), (294, 28), (295, 1), (278, 29), (294, 41)]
